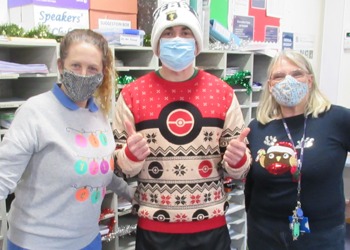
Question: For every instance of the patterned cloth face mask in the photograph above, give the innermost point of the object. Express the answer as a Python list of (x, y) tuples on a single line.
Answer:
[(289, 92), (80, 88), (177, 53)]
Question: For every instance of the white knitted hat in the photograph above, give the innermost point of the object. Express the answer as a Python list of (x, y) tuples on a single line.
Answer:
[(173, 14)]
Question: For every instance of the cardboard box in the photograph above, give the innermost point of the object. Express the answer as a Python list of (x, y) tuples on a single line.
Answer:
[(71, 4), (120, 6), (161, 2), (59, 20), (111, 20)]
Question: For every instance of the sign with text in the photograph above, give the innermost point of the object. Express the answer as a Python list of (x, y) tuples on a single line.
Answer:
[(271, 34), (287, 40), (243, 27)]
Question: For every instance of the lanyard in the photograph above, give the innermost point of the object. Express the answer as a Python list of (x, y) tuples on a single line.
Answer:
[(301, 158), (299, 224)]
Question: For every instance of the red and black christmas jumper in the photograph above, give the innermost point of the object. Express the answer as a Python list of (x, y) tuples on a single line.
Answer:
[(187, 126)]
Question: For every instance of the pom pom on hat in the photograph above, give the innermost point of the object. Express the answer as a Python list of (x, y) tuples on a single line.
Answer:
[(173, 14)]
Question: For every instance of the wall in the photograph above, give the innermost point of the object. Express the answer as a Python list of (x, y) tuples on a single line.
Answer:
[(335, 63), (305, 18)]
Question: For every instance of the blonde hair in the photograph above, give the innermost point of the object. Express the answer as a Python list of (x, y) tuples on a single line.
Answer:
[(268, 109), (103, 94)]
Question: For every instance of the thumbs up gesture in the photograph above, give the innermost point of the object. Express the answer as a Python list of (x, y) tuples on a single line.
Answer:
[(136, 143), (236, 148)]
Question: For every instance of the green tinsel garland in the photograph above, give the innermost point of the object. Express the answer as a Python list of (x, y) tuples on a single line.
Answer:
[(120, 81), (41, 31), (240, 78)]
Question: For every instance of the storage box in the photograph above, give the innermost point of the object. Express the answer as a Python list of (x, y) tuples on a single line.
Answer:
[(123, 37), (112, 20), (71, 4), (120, 6), (59, 20)]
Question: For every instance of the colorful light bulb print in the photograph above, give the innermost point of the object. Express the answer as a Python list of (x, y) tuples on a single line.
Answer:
[(104, 166), (111, 163), (95, 196), (103, 139), (94, 141), (80, 167), (82, 194), (80, 140), (93, 167)]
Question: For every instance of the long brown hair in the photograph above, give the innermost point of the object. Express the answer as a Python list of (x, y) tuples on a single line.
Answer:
[(103, 94)]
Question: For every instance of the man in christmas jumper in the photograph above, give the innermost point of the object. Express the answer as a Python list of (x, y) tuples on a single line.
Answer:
[(179, 129)]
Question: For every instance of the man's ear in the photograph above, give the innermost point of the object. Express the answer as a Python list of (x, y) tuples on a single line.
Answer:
[(196, 51)]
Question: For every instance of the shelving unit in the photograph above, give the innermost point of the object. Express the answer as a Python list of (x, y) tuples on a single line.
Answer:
[(15, 89), (136, 61), (236, 217)]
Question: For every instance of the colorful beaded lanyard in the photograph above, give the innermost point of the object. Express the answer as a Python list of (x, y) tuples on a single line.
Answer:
[(298, 222)]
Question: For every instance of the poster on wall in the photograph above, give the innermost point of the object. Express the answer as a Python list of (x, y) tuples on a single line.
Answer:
[(252, 11), (243, 27), (236, 8), (305, 44), (259, 4), (287, 40), (271, 34)]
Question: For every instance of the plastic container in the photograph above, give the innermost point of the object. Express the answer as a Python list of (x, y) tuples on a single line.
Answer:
[(123, 37)]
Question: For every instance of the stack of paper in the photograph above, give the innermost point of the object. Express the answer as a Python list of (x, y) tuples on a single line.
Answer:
[(9, 67)]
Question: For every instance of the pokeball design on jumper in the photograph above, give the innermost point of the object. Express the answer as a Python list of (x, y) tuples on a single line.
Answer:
[(180, 122)]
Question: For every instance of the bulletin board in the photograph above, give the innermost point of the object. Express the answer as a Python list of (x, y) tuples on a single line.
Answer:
[(263, 24), (262, 21)]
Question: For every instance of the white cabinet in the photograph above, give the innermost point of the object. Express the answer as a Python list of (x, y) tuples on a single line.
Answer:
[(213, 62), (259, 75), (134, 61)]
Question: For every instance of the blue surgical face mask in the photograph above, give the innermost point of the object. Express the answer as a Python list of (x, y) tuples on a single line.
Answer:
[(177, 53), (289, 92)]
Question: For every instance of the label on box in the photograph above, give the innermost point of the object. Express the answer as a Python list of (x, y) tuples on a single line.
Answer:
[(130, 40), (61, 20), (109, 24)]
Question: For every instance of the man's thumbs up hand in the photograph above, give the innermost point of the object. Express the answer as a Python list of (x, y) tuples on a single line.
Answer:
[(136, 143), (236, 148)]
